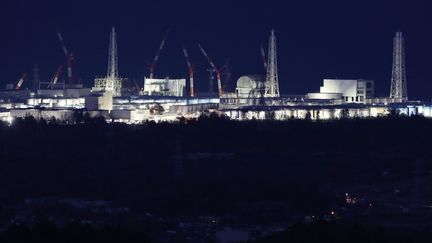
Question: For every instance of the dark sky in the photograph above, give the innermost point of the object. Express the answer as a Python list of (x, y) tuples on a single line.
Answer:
[(316, 39)]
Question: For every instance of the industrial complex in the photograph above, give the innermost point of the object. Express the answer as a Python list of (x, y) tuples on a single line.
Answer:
[(167, 99)]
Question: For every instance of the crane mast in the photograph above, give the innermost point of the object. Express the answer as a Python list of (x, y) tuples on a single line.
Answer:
[(191, 72), (155, 60), (217, 71), (69, 56)]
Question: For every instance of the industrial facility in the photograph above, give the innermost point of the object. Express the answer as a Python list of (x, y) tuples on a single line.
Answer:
[(256, 96)]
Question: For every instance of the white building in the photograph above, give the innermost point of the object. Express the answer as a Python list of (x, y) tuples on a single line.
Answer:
[(114, 84), (348, 90), (5, 115), (56, 102), (164, 87), (67, 92), (99, 101)]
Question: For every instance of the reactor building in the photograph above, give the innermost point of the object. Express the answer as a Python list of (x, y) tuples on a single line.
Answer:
[(165, 99), (345, 91)]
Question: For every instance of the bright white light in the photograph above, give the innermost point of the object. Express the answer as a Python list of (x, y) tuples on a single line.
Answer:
[(9, 119)]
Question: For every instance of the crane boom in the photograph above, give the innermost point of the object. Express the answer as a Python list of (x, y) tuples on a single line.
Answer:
[(137, 87), (218, 74), (55, 77), (191, 72), (69, 57), (155, 60), (21, 81)]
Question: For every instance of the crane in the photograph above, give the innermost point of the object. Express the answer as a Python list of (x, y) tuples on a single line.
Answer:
[(191, 72), (55, 77), (21, 81), (218, 73), (155, 60), (69, 56), (137, 87)]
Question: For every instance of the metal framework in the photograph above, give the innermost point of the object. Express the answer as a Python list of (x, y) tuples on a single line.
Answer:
[(112, 82), (272, 80), (398, 88)]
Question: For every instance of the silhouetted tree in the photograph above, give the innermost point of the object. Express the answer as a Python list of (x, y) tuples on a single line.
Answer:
[(77, 116), (394, 113)]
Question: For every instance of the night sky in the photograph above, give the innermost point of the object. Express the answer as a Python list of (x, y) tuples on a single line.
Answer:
[(316, 39)]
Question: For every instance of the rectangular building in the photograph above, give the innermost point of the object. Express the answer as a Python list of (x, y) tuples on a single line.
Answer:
[(164, 87), (352, 90)]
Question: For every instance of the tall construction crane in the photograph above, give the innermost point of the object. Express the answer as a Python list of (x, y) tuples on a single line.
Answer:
[(21, 81), (155, 60), (69, 56), (191, 72), (55, 77), (217, 71)]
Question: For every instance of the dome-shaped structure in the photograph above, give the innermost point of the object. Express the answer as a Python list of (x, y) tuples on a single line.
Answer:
[(250, 86), (250, 82)]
